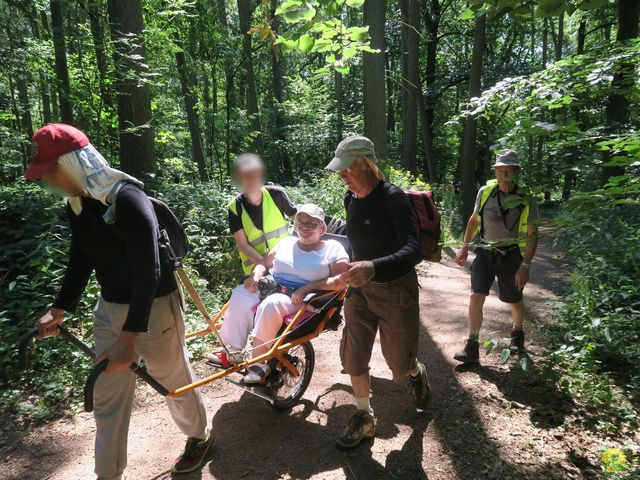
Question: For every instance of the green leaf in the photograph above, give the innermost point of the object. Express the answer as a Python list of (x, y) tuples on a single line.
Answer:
[(306, 43), (526, 363), (354, 3), (504, 356), (468, 14)]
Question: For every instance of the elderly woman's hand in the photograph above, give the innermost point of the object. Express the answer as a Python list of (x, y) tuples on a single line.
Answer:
[(297, 297), (251, 283), (358, 274)]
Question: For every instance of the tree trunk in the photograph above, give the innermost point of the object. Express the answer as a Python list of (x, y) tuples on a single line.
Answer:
[(391, 117), (186, 82), (339, 120), (230, 98), (470, 131), (617, 113), (373, 74), (244, 17), (410, 10), (277, 83), (559, 39), (428, 101), (137, 152), (582, 33), (43, 87), (62, 71)]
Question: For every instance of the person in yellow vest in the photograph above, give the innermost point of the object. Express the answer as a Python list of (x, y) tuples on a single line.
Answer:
[(258, 221), (505, 221)]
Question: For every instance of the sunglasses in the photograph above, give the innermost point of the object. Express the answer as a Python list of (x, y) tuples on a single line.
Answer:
[(309, 225)]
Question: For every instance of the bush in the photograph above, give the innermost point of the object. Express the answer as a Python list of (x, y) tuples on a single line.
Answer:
[(600, 348)]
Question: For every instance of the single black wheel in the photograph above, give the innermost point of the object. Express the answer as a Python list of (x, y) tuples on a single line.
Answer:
[(287, 389)]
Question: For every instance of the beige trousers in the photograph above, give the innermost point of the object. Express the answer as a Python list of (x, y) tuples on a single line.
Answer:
[(164, 351)]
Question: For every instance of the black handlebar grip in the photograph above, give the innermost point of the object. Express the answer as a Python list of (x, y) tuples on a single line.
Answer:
[(91, 382), (141, 371), (23, 343)]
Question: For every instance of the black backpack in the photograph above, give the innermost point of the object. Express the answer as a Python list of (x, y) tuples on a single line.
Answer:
[(172, 237)]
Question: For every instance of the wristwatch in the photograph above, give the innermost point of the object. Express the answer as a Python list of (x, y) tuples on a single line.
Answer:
[(525, 265)]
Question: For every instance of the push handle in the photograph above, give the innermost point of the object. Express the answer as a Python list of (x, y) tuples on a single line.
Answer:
[(139, 370), (23, 344)]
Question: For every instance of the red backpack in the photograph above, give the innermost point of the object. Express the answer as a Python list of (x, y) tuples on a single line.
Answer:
[(427, 223)]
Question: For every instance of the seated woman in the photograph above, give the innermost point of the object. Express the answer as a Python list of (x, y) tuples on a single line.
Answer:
[(300, 265)]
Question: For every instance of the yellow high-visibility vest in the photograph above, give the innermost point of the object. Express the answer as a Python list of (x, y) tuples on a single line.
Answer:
[(523, 226), (274, 228)]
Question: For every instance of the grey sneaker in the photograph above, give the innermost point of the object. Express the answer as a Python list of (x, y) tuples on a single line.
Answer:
[(360, 427), (420, 387), (470, 353)]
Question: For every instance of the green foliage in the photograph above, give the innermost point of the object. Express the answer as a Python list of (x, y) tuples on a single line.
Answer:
[(599, 351), (317, 27)]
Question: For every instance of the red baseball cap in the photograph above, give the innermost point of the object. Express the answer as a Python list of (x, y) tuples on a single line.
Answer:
[(49, 143)]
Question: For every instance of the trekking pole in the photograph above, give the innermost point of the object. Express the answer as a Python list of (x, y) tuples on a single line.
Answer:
[(139, 370)]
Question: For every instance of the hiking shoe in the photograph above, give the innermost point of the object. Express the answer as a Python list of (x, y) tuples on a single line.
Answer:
[(420, 387), (517, 340), (193, 455), (360, 427), (470, 353)]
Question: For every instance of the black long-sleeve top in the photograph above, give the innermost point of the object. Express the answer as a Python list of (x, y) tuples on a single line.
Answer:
[(381, 228), (125, 256)]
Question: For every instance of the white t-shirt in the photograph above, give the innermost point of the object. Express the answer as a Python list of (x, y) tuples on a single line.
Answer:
[(294, 267)]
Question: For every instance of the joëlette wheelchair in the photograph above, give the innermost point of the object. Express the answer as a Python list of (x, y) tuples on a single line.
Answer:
[(291, 355)]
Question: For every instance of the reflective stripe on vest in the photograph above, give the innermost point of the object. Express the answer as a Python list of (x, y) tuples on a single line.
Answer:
[(523, 227), (274, 227)]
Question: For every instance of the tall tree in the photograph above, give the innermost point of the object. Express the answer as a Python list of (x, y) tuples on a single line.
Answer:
[(277, 83), (137, 152), (373, 72), (428, 101), (617, 113), (410, 12), (62, 70), (230, 98), (244, 17), (186, 74), (96, 24), (469, 135)]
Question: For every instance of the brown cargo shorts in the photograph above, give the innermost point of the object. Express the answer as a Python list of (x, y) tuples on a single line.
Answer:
[(394, 309)]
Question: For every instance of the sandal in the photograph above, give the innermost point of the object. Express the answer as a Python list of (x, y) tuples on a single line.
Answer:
[(220, 359), (257, 373)]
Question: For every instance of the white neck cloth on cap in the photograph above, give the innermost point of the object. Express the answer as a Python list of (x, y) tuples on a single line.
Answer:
[(97, 179)]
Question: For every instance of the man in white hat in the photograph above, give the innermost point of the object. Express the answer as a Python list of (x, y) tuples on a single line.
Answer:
[(505, 219), (383, 283)]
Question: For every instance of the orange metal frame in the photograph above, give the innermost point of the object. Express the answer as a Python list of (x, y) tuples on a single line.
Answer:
[(277, 350)]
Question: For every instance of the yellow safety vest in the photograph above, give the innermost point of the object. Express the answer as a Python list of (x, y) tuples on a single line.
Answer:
[(523, 227), (274, 228)]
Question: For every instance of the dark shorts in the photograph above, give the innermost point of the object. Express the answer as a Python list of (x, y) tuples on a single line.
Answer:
[(393, 308), (490, 264)]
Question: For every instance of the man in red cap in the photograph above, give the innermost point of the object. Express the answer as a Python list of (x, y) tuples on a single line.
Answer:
[(138, 313)]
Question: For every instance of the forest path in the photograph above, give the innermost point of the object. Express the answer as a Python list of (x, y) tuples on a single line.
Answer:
[(486, 422)]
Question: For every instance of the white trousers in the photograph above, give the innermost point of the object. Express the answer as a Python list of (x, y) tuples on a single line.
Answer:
[(270, 315), (165, 354), (238, 318)]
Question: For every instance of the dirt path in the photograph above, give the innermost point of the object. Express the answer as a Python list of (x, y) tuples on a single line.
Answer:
[(487, 422)]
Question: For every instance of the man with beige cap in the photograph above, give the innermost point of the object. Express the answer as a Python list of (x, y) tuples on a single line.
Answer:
[(504, 218), (382, 281)]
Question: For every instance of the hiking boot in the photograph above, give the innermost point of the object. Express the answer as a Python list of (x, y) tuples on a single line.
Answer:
[(420, 387), (517, 340), (193, 455), (360, 427), (470, 353)]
